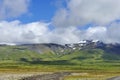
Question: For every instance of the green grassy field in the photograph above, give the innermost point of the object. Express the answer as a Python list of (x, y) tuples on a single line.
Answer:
[(89, 63), (97, 71)]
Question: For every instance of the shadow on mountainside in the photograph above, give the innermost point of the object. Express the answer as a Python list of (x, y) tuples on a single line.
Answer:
[(39, 61)]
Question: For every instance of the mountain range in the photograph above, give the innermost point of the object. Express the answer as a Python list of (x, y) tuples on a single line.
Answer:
[(83, 50)]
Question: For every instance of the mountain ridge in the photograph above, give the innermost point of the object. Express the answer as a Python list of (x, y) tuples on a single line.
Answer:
[(50, 51)]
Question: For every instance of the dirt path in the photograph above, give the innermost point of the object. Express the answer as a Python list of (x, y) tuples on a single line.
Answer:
[(54, 76), (17, 76), (115, 78)]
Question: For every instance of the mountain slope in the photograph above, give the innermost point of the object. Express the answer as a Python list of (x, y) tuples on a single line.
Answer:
[(90, 51)]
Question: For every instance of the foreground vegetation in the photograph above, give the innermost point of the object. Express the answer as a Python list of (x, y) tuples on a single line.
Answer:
[(85, 70), (84, 64)]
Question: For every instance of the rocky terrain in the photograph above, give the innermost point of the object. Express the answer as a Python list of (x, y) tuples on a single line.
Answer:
[(54, 76)]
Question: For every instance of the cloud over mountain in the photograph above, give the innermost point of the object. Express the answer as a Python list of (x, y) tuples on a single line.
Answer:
[(36, 32), (104, 16), (15, 32)]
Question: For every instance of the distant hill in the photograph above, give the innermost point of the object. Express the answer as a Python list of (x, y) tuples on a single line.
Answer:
[(82, 51)]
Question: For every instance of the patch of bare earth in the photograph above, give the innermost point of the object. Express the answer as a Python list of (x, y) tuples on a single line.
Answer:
[(54, 76)]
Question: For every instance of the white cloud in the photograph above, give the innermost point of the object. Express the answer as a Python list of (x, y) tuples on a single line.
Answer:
[(39, 32), (82, 12), (106, 34), (66, 20), (113, 33), (65, 35), (36, 32), (96, 32), (13, 8), (97, 12), (15, 32)]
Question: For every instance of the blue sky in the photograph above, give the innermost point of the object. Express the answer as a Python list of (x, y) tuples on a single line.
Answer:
[(39, 10), (59, 21)]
